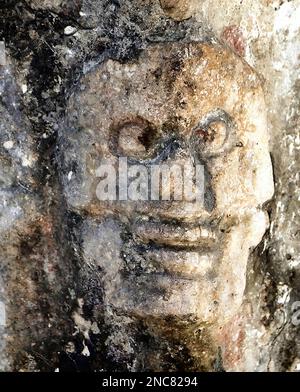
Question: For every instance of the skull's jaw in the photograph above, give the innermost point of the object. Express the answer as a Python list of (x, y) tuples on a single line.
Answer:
[(206, 285)]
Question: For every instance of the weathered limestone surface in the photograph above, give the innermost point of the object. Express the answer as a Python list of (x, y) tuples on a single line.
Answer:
[(266, 34), (62, 301)]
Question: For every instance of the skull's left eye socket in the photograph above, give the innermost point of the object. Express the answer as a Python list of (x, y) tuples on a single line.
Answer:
[(214, 135), (133, 139)]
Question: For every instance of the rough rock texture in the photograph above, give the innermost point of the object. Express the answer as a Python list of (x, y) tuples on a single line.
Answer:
[(52, 296), (178, 10)]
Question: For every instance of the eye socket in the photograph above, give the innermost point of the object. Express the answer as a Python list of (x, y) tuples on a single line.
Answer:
[(131, 140), (213, 136), (134, 139)]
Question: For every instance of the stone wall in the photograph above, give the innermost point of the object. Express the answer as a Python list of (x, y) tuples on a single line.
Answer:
[(51, 299)]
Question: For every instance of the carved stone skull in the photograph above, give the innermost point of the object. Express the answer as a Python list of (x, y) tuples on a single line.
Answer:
[(176, 103)]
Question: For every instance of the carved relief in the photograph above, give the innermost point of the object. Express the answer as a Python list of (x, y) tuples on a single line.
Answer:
[(176, 103)]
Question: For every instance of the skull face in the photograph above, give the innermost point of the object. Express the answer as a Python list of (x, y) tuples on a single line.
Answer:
[(177, 104)]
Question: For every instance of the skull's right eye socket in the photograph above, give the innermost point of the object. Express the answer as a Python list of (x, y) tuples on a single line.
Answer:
[(134, 139), (215, 134), (212, 137)]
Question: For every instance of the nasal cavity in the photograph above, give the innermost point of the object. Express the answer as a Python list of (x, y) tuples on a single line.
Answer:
[(209, 195)]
